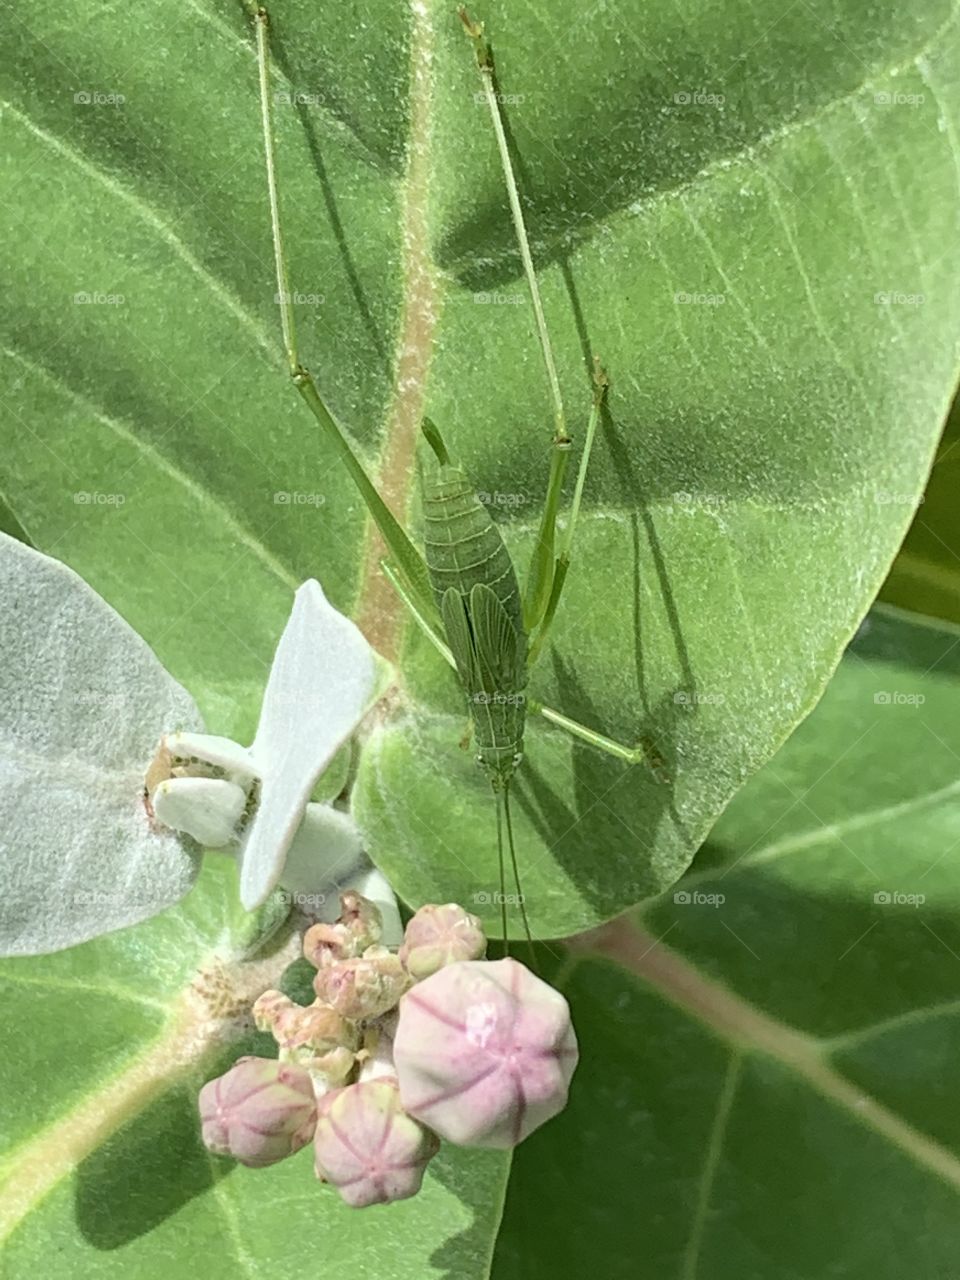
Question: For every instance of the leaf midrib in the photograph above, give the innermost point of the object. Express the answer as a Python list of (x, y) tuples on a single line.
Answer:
[(746, 1029)]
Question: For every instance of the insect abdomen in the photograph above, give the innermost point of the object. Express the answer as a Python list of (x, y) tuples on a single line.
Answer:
[(463, 546)]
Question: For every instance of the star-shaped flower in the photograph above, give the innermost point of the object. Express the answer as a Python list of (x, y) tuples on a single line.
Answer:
[(323, 680)]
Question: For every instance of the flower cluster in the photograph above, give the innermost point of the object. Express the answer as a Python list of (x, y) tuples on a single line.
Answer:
[(398, 1050)]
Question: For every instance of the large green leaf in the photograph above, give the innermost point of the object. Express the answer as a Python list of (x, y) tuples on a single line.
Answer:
[(104, 1173), (767, 1087), (732, 533)]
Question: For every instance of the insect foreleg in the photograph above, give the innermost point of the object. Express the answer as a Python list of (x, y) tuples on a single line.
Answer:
[(409, 561), (539, 583)]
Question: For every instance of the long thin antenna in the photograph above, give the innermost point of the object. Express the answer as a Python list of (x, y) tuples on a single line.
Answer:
[(498, 799), (516, 871)]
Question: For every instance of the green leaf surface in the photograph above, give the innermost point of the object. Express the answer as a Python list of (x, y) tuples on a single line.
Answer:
[(724, 257), (103, 1172), (766, 1090)]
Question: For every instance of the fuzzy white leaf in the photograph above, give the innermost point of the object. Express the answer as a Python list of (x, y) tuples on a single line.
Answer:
[(83, 704)]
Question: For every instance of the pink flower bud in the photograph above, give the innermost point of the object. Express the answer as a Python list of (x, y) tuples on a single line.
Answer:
[(440, 935), (295, 1026), (361, 918), (360, 926), (269, 1008), (364, 987), (368, 1147), (325, 943), (260, 1112), (484, 1052)]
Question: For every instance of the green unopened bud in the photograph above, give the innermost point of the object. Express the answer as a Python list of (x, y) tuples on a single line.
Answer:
[(330, 1070), (376, 1056), (437, 936), (259, 1112)]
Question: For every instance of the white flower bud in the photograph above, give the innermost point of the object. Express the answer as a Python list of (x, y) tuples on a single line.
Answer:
[(209, 809)]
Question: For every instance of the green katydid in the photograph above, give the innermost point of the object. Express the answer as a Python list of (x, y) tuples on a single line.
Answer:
[(464, 592)]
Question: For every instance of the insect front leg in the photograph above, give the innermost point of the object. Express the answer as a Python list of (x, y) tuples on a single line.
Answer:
[(408, 560), (551, 553), (600, 383), (540, 579)]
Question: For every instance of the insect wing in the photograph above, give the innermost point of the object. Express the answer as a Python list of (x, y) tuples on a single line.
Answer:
[(496, 641), (453, 610)]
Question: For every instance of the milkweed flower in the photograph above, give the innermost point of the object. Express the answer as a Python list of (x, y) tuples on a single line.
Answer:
[(484, 1052), (368, 1147), (259, 1112), (479, 1052), (321, 685)]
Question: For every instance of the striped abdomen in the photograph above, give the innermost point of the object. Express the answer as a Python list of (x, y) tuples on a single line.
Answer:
[(476, 589), (463, 545)]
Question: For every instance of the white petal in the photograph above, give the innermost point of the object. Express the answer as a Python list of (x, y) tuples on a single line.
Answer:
[(83, 704), (327, 848), (222, 752), (321, 683), (206, 808)]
